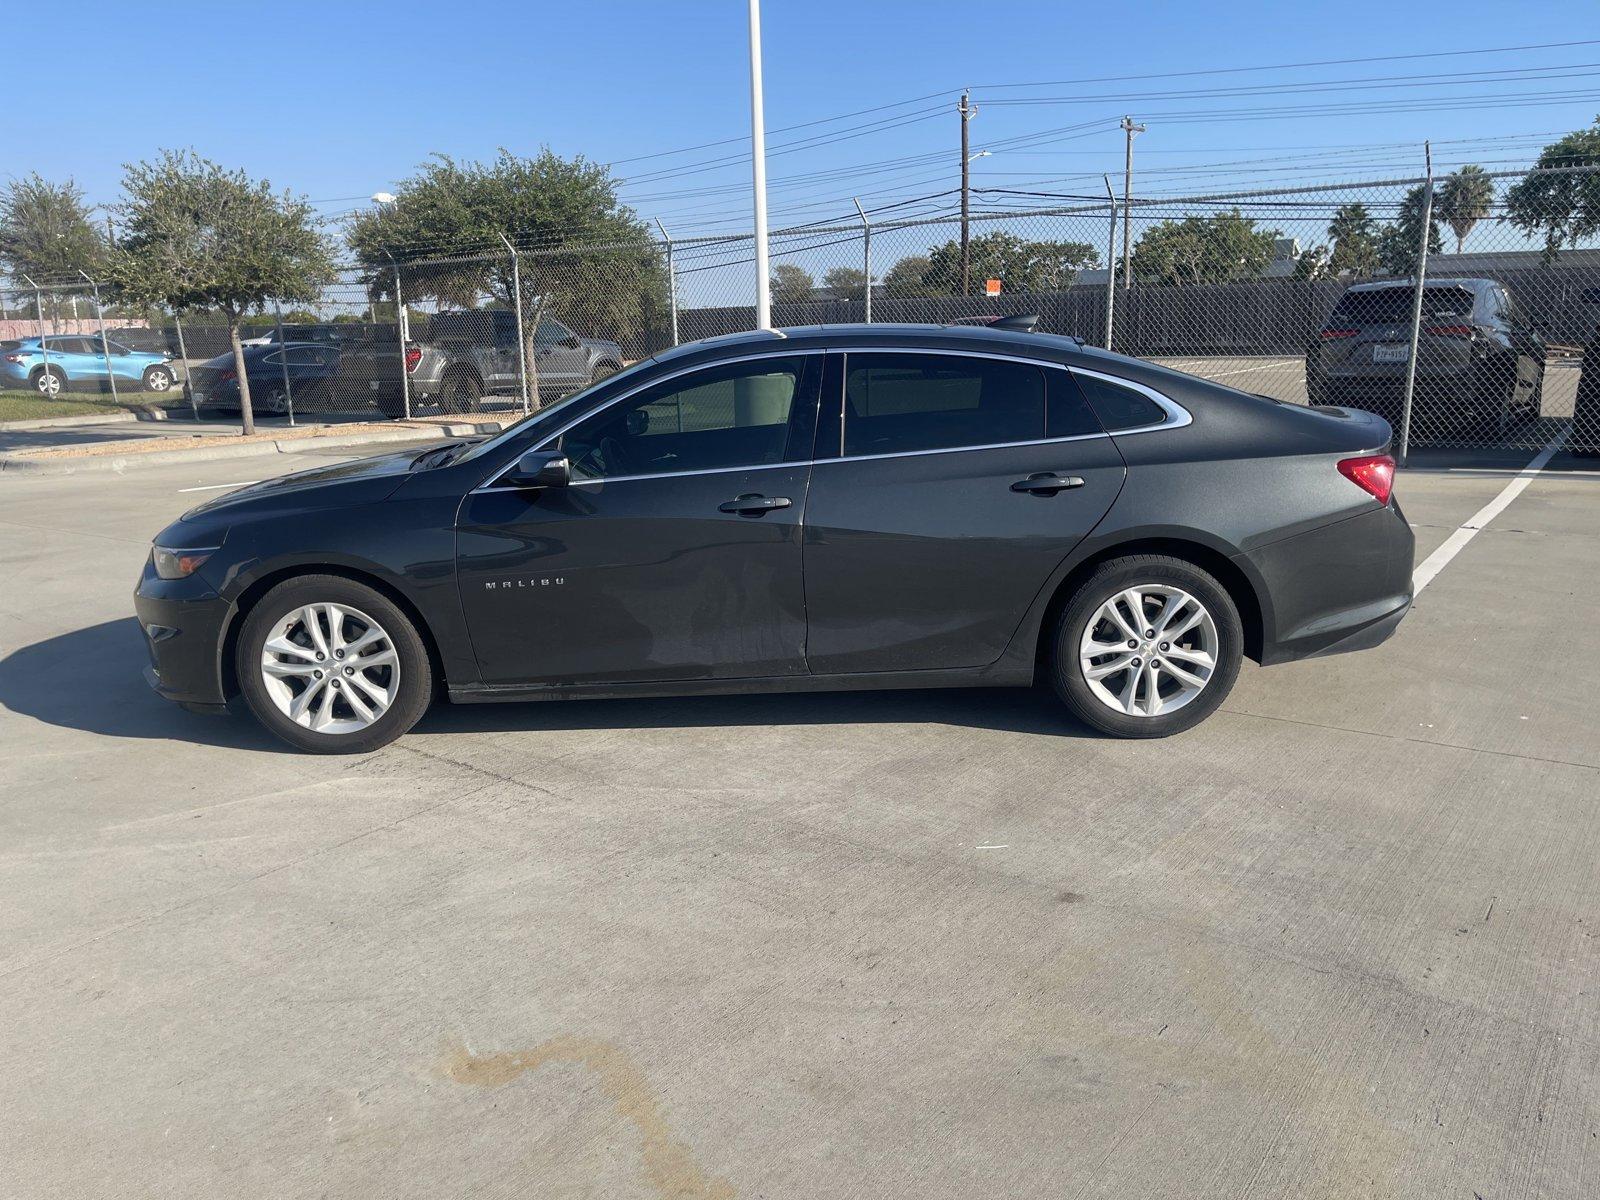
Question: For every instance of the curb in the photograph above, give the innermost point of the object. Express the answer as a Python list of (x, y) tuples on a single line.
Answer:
[(132, 415), (10, 464)]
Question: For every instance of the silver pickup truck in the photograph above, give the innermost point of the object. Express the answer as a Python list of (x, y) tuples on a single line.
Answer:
[(466, 356)]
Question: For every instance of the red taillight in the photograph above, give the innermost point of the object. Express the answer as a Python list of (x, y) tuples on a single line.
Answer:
[(1373, 474), (226, 374), (16, 358), (413, 357), (1450, 330), (1328, 335)]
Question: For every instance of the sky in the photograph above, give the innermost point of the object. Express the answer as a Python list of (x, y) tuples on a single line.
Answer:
[(336, 101)]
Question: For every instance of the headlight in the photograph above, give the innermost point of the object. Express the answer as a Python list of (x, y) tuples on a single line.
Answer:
[(179, 564)]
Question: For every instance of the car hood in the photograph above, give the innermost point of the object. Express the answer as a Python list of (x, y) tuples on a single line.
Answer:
[(361, 481)]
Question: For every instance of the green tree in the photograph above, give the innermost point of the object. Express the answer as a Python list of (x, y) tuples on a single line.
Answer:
[(1200, 250), (47, 232), (847, 283), (591, 262), (1354, 235), (907, 278), (198, 236), (1312, 265), (1019, 264), (1464, 199), (791, 284), (1397, 243), (1563, 207)]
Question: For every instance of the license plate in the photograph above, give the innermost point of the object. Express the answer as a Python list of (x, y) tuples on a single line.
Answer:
[(199, 397), (1399, 353), (375, 384)]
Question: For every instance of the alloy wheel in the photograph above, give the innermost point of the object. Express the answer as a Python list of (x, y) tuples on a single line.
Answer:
[(48, 383), (330, 668), (1148, 650)]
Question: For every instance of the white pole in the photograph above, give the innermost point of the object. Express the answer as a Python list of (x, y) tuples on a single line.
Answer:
[(758, 171)]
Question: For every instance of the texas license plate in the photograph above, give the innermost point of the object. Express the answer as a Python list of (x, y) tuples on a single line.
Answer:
[(199, 397), (1391, 353)]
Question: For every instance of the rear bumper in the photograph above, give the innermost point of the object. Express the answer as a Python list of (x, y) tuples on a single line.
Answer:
[(1343, 587), (183, 627)]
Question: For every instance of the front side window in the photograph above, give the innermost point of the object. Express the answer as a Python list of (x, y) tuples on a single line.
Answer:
[(737, 415), (904, 403)]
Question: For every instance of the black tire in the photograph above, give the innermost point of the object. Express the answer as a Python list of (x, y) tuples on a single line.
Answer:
[(461, 393), (602, 370), (1534, 409), (412, 691), (275, 402), (157, 379), (39, 379), (1082, 611)]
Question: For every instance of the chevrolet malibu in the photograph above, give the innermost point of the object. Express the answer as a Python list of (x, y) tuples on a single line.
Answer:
[(830, 508)]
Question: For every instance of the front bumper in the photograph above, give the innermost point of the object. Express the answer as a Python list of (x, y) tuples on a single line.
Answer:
[(183, 622), (1342, 587)]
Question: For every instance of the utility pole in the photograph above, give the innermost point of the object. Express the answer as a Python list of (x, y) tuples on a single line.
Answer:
[(758, 171), (1130, 130), (967, 112)]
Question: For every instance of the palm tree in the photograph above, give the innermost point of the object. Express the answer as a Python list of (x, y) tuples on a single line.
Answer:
[(1465, 199), (1355, 240)]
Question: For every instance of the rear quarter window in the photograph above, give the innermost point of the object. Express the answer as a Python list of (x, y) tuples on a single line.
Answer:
[(1117, 406)]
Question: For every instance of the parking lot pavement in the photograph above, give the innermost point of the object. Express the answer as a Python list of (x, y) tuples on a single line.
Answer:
[(1338, 941)]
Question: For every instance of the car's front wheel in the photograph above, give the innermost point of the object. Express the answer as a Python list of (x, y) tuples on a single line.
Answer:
[(1147, 646), (332, 666), (157, 379)]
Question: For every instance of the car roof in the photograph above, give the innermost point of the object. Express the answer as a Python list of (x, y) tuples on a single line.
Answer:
[(970, 337), (1386, 284)]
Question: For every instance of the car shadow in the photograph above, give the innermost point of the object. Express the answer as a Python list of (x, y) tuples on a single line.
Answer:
[(91, 679)]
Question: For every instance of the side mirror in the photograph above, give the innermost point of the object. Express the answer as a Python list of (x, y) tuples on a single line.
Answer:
[(539, 469)]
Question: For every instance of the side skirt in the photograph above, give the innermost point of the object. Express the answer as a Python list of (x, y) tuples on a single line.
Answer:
[(991, 676)]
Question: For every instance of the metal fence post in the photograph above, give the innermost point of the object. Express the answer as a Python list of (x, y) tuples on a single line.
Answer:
[(522, 338), (38, 310), (1111, 263), (672, 280), (183, 353), (1416, 309), (283, 359), (401, 333), (105, 344), (866, 258)]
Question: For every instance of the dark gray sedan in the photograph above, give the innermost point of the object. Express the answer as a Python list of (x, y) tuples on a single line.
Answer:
[(830, 508)]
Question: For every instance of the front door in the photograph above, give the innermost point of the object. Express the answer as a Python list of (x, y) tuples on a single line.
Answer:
[(951, 489), (674, 553), (562, 361)]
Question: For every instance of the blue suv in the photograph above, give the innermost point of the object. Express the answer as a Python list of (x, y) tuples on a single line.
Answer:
[(49, 364)]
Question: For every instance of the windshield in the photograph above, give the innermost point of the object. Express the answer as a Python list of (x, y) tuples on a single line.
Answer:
[(552, 414)]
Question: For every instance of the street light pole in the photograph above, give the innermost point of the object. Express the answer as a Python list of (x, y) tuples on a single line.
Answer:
[(967, 112), (758, 171)]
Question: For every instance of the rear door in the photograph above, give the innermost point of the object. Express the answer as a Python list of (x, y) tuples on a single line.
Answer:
[(947, 488)]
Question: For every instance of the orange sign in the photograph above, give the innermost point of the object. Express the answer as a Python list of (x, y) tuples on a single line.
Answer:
[(991, 287)]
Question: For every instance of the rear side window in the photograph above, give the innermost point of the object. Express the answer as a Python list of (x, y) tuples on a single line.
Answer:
[(1117, 406), (902, 403)]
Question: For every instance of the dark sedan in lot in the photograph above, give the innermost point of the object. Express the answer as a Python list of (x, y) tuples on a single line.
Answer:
[(870, 506)]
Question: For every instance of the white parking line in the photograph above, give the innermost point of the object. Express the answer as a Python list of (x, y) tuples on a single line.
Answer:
[(217, 487), (1241, 371), (1440, 558)]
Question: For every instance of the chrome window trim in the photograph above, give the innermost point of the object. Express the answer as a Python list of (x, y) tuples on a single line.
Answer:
[(1177, 415)]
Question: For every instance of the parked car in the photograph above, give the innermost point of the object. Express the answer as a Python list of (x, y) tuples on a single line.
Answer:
[(845, 507), (468, 355), (1480, 362), (312, 372), (1583, 436), (52, 363), (145, 340)]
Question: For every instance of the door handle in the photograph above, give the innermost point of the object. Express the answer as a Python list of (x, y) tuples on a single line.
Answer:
[(1047, 483), (754, 505)]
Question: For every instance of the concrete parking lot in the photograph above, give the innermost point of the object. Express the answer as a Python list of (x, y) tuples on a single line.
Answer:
[(1340, 941)]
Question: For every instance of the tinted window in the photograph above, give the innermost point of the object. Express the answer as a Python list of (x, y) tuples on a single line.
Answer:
[(897, 403), (1392, 306), (1070, 414), (731, 416), (551, 332), (304, 356), (1119, 407)]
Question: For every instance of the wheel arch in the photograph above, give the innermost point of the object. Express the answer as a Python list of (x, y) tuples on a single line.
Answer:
[(260, 586), (1245, 592)]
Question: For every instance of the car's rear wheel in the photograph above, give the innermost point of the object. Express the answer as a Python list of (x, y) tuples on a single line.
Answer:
[(602, 370), (157, 379), (1147, 646), (462, 393), (49, 381), (332, 666)]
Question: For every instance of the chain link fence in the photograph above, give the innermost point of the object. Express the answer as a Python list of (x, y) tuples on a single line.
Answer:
[(1459, 310)]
